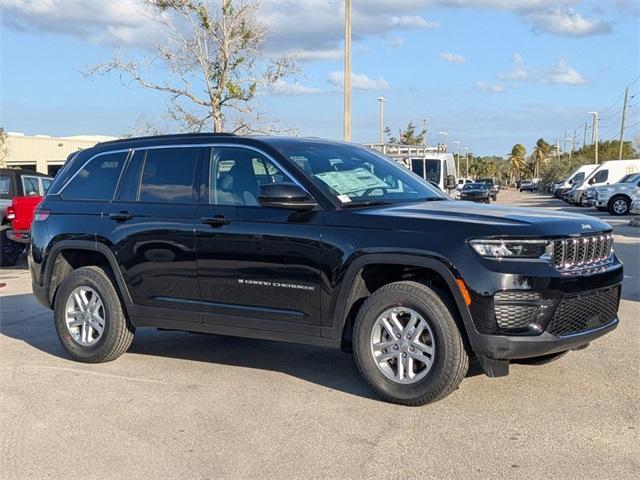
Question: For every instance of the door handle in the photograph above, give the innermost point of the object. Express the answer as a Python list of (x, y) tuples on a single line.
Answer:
[(216, 220), (120, 216)]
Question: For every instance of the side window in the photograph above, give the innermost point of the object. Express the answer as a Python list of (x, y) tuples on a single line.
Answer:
[(131, 178), (30, 186), (237, 174), (45, 184), (168, 175), (601, 176), (96, 180)]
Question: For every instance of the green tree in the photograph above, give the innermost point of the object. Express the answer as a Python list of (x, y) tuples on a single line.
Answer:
[(517, 160), (408, 136), (540, 154)]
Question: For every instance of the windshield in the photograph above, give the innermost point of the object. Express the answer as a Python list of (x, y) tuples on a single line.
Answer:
[(475, 186), (357, 174)]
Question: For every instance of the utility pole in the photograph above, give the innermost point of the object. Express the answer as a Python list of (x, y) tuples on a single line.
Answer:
[(346, 122), (558, 148), (446, 143), (424, 128), (595, 134), (624, 115), (584, 137), (573, 143), (381, 100), (458, 163)]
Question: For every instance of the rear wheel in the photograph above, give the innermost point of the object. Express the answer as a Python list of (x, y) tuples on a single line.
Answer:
[(89, 317), (619, 206), (407, 345), (9, 250)]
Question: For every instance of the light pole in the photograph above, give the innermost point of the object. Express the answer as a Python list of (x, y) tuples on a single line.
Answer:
[(346, 121), (595, 133), (458, 163), (466, 156), (381, 118), (424, 129), (445, 139)]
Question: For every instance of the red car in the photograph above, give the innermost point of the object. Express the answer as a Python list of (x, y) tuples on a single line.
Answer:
[(20, 193)]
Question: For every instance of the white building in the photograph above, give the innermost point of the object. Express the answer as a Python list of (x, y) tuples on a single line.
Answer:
[(43, 153)]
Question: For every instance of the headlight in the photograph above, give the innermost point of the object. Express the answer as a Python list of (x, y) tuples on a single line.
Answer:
[(511, 248)]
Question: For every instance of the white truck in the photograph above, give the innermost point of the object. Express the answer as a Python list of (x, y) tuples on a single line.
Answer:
[(607, 173), (617, 197), (429, 163), (576, 177)]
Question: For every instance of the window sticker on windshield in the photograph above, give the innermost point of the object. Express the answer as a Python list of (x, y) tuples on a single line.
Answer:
[(344, 198), (347, 182)]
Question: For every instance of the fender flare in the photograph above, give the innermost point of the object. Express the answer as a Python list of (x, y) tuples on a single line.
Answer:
[(92, 246), (440, 265)]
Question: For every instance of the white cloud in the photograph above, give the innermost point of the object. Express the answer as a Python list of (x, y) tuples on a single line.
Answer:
[(412, 21), (281, 87), (359, 81), (311, 55), (396, 42), (565, 22), (488, 87), (519, 71), (451, 57), (561, 73)]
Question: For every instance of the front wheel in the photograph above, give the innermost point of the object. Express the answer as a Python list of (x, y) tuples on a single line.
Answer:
[(89, 318), (407, 345), (619, 206)]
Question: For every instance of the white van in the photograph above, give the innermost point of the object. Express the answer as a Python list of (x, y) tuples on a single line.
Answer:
[(607, 173), (437, 168), (575, 178)]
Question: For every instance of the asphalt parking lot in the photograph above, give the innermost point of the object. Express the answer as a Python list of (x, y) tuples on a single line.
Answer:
[(179, 405)]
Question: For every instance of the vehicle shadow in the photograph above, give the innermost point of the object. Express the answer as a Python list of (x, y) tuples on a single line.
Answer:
[(330, 368)]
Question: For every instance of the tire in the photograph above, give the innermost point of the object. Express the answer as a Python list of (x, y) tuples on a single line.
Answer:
[(449, 359), (619, 206), (117, 333), (9, 250)]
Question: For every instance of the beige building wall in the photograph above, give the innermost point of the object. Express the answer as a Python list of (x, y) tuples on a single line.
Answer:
[(43, 153)]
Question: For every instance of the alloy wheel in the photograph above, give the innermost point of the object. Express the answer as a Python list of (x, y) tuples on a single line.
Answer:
[(85, 316)]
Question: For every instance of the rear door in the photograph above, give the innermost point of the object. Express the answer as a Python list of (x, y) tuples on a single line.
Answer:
[(151, 226), (258, 267)]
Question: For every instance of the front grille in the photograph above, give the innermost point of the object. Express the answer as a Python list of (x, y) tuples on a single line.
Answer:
[(582, 252), (586, 311)]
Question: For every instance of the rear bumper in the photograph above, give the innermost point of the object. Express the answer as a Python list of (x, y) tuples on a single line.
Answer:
[(20, 236)]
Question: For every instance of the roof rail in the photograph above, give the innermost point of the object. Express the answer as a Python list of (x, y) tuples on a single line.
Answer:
[(168, 136)]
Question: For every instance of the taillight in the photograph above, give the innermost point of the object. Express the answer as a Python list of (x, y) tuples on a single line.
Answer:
[(41, 215), (11, 213)]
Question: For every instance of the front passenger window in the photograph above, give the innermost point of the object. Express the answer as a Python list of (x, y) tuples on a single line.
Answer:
[(168, 175), (237, 174)]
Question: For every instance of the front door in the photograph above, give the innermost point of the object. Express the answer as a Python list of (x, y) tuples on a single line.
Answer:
[(258, 267)]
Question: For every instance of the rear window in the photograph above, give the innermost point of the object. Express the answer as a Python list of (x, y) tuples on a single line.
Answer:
[(168, 175), (97, 179)]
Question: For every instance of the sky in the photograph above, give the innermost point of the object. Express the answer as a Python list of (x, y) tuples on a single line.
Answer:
[(491, 73)]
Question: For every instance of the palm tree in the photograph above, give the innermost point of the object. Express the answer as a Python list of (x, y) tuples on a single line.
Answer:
[(539, 155), (517, 160)]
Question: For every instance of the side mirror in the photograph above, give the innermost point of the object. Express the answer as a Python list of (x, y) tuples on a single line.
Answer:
[(450, 182), (285, 195)]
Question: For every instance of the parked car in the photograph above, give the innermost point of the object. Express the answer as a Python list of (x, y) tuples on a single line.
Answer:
[(608, 172), (298, 240), (575, 178), (526, 185), (617, 197), (634, 209), (494, 188), (17, 188), (476, 192)]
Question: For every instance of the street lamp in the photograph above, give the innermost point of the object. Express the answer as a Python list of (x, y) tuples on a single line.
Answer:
[(445, 139), (381, 100), (466, 157), (595, 133), (346, 119), (458, 163)]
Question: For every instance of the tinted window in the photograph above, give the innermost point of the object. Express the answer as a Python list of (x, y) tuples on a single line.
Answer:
[(96, 180), (601, 176), (46, 183), (237, 173), (30, 186), (131, 178), (5, 186), (168, 175)]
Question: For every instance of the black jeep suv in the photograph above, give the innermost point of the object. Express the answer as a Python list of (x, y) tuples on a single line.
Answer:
[(315, 242)]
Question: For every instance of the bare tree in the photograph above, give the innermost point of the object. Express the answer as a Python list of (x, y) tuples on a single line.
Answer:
[(212, 61), (3, 148)]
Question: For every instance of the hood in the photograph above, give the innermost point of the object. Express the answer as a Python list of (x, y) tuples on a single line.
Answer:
[(456, 216)]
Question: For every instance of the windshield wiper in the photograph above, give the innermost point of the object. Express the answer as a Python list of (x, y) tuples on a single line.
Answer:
[(366, 203)]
